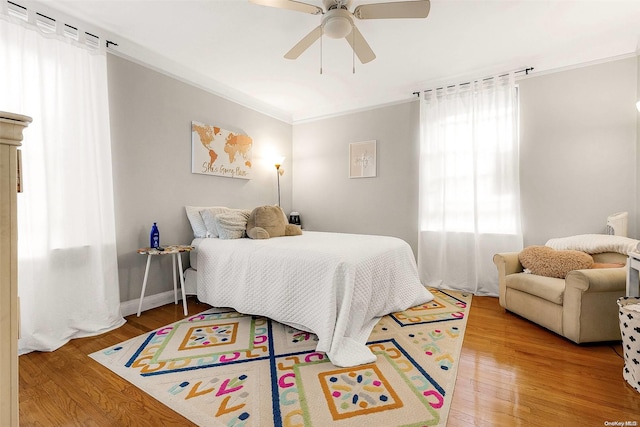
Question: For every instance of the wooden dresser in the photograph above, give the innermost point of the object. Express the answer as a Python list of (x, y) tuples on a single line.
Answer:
[(11, 126)]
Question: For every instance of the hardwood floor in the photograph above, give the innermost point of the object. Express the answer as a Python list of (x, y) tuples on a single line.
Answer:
[(514, 372), (511, 373)]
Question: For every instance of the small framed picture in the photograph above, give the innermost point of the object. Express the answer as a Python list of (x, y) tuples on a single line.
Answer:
[(362, 159)]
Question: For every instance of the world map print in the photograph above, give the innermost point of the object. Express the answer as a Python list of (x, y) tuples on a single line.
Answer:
[(216, 151)]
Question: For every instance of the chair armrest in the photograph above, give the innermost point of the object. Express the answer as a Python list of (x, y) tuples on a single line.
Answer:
[(589, 310), (507, 263), (597, 280)]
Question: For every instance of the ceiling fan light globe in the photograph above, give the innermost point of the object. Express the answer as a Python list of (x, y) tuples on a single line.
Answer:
[(337, 27)]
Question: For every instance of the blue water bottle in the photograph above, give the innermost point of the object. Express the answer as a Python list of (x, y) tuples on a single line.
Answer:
[(155, 237)]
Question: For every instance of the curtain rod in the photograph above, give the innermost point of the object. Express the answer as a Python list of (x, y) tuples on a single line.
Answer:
[(109, 43), (525, 70)]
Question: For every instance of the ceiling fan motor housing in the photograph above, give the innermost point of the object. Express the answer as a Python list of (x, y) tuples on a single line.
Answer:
[(337, 23)]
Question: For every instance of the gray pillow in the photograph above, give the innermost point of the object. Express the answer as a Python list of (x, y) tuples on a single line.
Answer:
[(208, 217), (233, 224), (194, 214)]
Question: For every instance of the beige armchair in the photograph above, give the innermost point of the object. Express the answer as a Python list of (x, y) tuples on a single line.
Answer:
[(582, 307)]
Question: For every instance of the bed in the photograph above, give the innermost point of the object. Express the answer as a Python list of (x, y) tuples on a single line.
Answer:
[(332, 284)]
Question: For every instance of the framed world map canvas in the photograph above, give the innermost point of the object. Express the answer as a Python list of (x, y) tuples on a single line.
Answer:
[(215, 151)]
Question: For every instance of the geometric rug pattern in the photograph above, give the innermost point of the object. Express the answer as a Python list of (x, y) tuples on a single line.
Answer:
[(223, 368)]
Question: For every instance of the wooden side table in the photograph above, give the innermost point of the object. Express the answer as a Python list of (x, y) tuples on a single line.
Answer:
[(174, 250), (633, 266)]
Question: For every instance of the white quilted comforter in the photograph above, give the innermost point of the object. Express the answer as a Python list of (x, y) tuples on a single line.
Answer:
[(334, 285)]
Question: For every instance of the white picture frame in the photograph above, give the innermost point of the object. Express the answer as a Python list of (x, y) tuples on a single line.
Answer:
[(362, 159)]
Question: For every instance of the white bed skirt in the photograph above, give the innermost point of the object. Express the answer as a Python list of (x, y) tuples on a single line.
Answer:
[(191, 281)]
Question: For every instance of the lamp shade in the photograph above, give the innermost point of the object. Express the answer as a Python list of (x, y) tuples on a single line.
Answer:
[(638, 105), (278, 161)]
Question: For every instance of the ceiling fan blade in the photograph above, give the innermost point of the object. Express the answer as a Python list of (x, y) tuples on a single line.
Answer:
[(360, 46), (305, 43), (290, 5), (401, 9)]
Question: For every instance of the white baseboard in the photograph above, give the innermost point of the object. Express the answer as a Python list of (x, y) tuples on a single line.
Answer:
[(152, 301)]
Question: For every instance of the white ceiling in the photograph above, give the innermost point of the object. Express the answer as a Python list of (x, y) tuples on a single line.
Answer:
[(235, 48)]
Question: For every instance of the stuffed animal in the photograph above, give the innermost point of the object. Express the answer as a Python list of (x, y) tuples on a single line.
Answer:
[(270, 221)]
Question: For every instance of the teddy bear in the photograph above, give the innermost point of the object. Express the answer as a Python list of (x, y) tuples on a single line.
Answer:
[(270, 221)]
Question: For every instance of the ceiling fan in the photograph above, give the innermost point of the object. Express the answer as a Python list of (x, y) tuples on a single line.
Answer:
[(337, 21)]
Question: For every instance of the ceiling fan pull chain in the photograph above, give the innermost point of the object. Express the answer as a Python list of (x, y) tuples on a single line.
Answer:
[(321, 34), (353, 51)]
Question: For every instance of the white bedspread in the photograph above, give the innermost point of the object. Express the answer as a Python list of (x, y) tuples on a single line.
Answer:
[(334, 285)]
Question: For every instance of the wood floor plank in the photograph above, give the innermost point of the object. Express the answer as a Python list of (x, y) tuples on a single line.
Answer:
[(514, 372), (511, 372)]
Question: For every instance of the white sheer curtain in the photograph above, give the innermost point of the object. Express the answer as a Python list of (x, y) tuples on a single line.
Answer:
[(67, 265), (469, 183)]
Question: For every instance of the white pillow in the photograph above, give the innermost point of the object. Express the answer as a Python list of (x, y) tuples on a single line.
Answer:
[(595, 243), (233, 224), (195, 219), (208, 216)]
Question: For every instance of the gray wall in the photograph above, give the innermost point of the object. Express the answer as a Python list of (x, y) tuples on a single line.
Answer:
[(637, 180), (151, 116), (578, 159), (578, 150), (325, 196)]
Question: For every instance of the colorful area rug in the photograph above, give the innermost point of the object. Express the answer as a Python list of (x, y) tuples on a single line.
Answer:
[(222, 368)]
